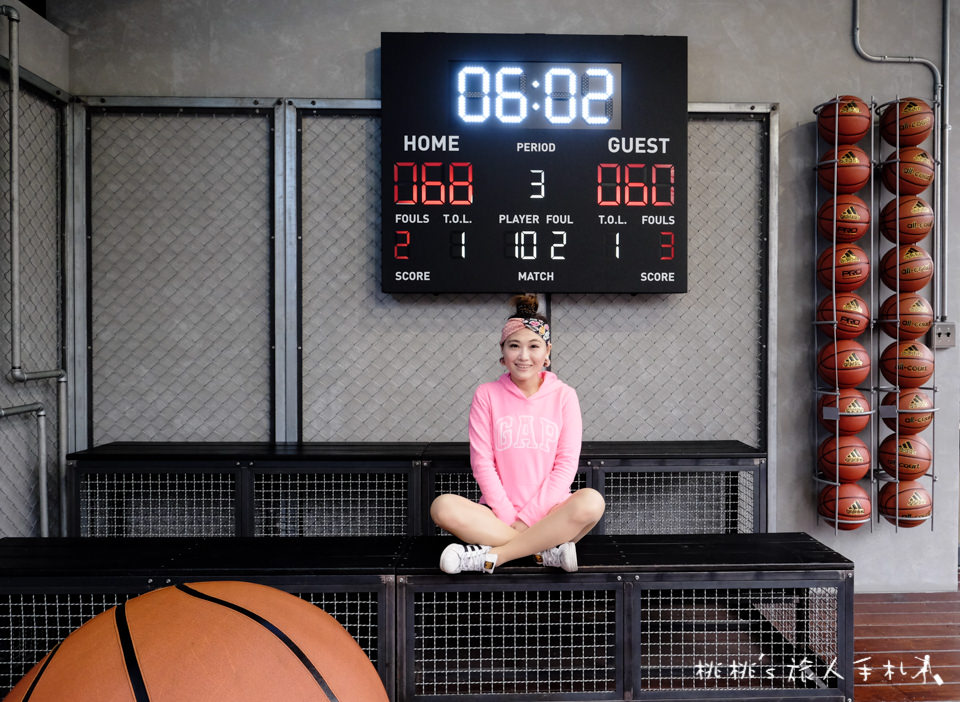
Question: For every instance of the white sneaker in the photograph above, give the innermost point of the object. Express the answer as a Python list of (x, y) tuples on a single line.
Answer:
[(562, 556), (457, 558)]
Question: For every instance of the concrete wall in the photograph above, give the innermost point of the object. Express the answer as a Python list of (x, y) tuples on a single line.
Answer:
[(46, 49), (797, 54)]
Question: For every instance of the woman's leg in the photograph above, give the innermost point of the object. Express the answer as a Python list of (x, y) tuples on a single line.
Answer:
[(469, 521), (569, 521)]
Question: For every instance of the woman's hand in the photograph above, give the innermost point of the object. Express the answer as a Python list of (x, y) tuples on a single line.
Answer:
[(519, 526)]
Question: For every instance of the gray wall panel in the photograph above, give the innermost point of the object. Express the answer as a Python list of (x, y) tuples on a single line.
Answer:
[(684, 367), (180, 277), (377, 367)]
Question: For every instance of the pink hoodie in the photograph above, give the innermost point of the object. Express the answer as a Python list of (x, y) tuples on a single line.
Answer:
[(524, 450)]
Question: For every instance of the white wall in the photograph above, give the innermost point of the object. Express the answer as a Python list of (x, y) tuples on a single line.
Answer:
[(797, 54)]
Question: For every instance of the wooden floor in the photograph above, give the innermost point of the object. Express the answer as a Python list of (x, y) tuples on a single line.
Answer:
[(894, 634)]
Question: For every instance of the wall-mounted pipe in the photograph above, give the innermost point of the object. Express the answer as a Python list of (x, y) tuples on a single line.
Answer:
[(41, 415), (17, 373), (940, 144)]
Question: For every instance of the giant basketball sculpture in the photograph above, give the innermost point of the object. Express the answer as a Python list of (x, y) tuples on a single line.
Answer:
[(206, 641)]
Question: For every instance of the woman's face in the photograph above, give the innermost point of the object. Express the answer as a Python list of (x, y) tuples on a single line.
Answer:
[(525, 354)]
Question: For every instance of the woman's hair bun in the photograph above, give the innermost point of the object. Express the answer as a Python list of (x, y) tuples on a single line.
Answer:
[(526, 305)]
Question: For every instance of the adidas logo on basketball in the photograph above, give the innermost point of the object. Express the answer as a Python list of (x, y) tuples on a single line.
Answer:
[(853, 457), (854, 408), (849, 214), (849, 256), (907, 448), (916, 500), (856, 510), (852, 361), (848, 159)]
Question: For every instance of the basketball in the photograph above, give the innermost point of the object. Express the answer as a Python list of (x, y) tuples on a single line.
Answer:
[(846, 505), (906, 504), (206, 641), (908, 171), (845, 169), (914, 312), (845, 459), (845, 267), (852, 408), (914, 411), (908, 268), (906, 220), (906, 122), (843, 364), (845, 119), (845, 314), (908, 364), (911, 456), (845, 218)]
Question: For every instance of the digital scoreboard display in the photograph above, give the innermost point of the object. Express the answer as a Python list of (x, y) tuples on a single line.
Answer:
[(533, 163)]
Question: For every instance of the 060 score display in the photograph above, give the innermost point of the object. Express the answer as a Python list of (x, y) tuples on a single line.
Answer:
[(526, 175)]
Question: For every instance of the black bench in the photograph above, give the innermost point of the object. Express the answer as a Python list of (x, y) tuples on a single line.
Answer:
[(669, 617), (384, 489)]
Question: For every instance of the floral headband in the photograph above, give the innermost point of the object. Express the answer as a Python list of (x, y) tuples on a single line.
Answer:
[(515, 324)]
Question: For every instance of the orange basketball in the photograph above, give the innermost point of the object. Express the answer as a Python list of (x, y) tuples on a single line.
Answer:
[(908, 412), (845, 218), (206, 641), (845, 459), (908, 171), (851, 408), (845, 267), (845, 119), (843, 364), (906, 220), (906, 504), (910, 455), (908, 267), (914, 312), (906, 122), (908, 364), (845, 169), (846, 505), (845, 314)]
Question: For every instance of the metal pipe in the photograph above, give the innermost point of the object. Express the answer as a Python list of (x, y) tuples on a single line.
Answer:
[(14, 195), (945, 149), (41, 413), (17, 374), (940, 193), (62, 451)]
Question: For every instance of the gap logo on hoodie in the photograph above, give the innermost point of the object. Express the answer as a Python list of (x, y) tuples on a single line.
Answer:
[(527, 432)]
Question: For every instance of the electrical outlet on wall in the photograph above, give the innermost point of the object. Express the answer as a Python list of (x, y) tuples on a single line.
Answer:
[(944, 335)]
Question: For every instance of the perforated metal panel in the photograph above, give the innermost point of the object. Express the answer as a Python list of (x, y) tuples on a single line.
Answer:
[(331, 504), (680, 502), (381, 367), (515, 642), (158, 504), (739, 638), (180, 253), (41, 251)]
